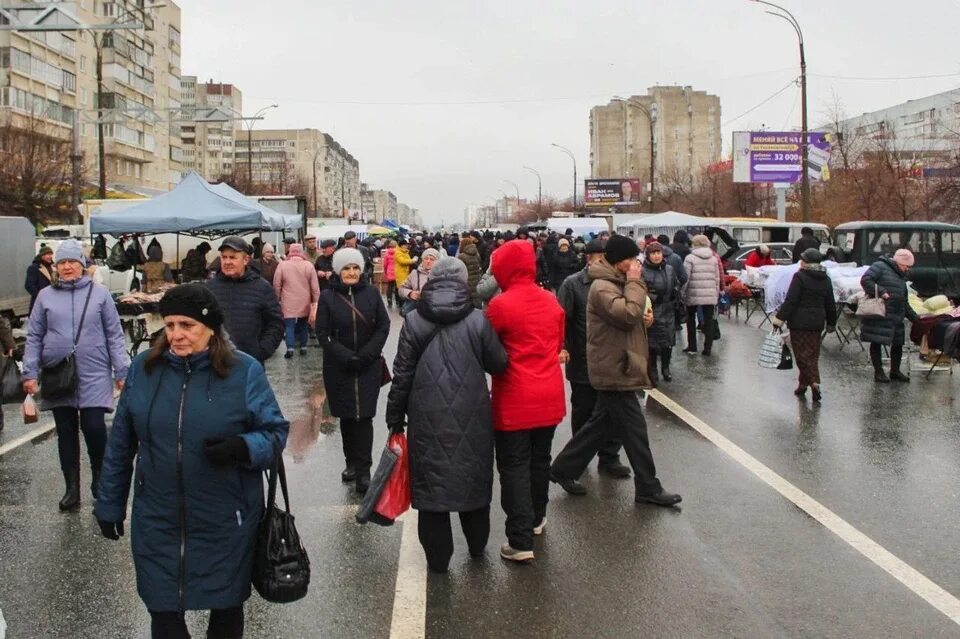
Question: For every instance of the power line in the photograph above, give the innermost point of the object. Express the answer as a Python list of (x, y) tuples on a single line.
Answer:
[(792, 82)]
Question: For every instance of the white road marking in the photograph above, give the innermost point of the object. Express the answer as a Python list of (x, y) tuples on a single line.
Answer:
[(410, 593), (3, 626), (913, 579), (24, 439)]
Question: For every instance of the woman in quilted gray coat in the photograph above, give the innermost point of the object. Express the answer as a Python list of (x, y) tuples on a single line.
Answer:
[(440, 388), (702, 291)]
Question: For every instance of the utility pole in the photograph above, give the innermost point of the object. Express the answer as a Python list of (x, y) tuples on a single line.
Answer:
[(651, 114), (804, 141), (539, 191), (572, 157)]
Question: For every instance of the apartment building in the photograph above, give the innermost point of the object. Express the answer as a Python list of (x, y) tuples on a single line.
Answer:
[(377, 204), (307, 158), (678, 126), (209, 147), (49, 83)]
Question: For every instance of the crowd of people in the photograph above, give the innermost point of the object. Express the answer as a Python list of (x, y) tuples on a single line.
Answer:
[(197, 420)]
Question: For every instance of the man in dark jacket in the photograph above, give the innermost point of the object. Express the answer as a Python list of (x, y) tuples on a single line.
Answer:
[(617, 367), (681, 245), (253, 318), (447, 404), (324, 263), (572, 296), (39, 274), (806, 241)]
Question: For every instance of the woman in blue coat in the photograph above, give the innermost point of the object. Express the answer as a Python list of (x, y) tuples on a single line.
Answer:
[(887, 278), (53, 333), (201, 421)]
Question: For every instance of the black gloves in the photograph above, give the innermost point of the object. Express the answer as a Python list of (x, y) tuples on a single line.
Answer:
[(226, 451), (397, 429), (111, 529)]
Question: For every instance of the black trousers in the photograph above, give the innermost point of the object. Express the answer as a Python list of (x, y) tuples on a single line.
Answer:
[(617, 414), (582, 399), (393, 294), (70, 422), (876, 357), (523, 461), (707, 327), (357, 437), (436, 535), (224, 624)]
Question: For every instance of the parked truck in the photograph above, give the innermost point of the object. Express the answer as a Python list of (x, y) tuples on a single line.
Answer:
[(17, 250)]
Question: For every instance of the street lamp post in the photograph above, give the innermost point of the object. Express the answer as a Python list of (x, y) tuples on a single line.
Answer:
[(252, 121), (804, 143), (651, 114), (515, 188), (539, 191), (572, 157)]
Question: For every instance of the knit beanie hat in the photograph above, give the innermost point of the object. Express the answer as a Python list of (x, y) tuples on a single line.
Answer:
[(450, 268), (268, 248), (44, 250), (434, 253), (564, 241), (194, 301), (811, 256), (296, 250), (72, 250), (619, 248), (903, 257), (345, 256), (654, 247)]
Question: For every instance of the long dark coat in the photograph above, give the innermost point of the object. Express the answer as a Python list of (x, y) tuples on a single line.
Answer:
[(663, 288), (470, 257), (564, 265), (352, 394), (193, 524), (443, 392), (884, 277), (810, 304)]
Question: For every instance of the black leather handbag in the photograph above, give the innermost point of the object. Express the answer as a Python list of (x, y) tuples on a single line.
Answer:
[(281, 568), (60, 379)]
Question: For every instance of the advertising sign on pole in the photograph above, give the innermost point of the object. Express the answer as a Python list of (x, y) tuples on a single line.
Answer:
[(775, 156), (612, 192)]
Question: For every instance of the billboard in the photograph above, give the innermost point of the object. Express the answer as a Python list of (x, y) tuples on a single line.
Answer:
[(775, 156), (612, 192)]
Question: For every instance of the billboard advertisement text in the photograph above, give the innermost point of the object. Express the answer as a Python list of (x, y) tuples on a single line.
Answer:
[(612, 192)]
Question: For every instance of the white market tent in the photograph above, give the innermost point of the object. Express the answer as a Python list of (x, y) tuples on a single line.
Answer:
[(336, 231), (580, 225), (195, 207), (670, 222)]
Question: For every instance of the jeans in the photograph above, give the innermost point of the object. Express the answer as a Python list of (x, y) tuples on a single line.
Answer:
[(582, 399), (616, 414), (436, 536), (296, 332), (707, 327), (70, 422), (523, 461), (224, 624), (357, 437)]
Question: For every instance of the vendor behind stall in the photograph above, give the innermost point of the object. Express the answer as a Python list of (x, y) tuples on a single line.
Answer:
[(156, 272)]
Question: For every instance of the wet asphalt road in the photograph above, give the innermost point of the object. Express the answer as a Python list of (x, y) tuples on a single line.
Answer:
[(736, 560)]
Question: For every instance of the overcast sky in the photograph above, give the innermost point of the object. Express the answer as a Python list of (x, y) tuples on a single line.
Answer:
[(442, 100)]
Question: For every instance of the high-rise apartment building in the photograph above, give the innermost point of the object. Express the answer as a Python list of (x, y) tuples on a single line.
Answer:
[(308, 158), (680, 127), (378, 204), (209, 147), (48, 78)]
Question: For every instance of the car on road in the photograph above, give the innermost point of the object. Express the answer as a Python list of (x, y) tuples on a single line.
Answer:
[(781, 252)]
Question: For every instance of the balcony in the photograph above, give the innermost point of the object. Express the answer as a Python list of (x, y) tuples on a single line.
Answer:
[(128, 79)]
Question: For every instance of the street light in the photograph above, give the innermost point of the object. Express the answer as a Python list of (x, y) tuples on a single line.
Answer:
[(515, 188), (804, 145), (253, 120), (539, 190), (651, 114), (572, 157)]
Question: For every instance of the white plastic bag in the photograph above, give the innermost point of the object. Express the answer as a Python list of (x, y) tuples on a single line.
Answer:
[(29, 410), (770, 350)]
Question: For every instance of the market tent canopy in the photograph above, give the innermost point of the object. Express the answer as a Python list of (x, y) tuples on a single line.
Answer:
[(672, 219), (580, 225), (194, 207)]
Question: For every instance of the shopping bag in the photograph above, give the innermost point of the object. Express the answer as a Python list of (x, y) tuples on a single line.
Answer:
[(378, 483), (29, 410), (786, 359), (10, 381), (771, 350), (395, 499)]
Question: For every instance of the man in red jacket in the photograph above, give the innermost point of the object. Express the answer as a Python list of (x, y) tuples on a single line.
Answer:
[(529, 398)]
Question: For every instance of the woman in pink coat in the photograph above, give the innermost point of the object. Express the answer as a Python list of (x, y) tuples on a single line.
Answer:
[(298, 289), (390, 273)]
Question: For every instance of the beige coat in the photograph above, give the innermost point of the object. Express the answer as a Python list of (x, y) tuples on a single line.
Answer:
[(616, 335)]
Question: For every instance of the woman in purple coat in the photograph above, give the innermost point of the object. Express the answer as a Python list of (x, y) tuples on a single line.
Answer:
[(101, 362)]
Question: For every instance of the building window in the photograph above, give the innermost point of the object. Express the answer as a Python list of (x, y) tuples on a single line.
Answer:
[(83, 63)]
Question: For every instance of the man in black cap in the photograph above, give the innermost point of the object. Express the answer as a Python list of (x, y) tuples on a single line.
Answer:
[(252, 313), (324, 263), (350, 241), (572, 296), (617, 369), (287, 243), (807, 241)]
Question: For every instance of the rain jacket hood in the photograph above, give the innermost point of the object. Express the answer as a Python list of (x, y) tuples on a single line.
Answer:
[(445, 300)]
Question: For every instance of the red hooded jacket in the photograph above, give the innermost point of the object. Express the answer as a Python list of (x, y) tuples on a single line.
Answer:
[(530, 324)]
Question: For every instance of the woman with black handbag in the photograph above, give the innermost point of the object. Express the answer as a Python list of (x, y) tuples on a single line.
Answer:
[(352, 328), (201, 421), (75, 354)]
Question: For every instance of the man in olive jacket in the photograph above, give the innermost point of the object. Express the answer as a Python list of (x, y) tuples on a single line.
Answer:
[(617, 367)]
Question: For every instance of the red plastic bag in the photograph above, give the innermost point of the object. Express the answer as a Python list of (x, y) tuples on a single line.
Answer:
[(395, 499)]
